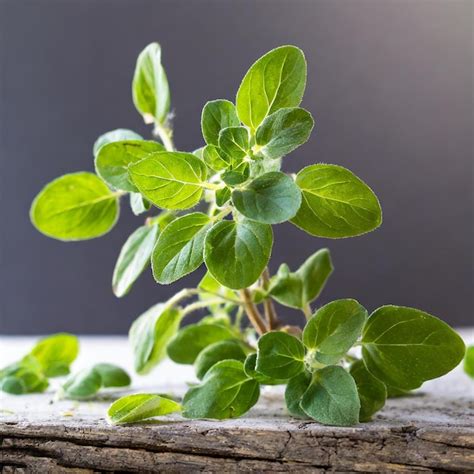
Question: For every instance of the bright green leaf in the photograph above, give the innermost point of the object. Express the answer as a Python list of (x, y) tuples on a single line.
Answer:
[(75, 206), (134, 258), (404, 347), (274, 81), (179, 249), (236, 253), (280, 355), (112, 375), (225, 392), (221, 350), (222, 196), (469, 361), (331, 398), (372, 392), (150, 334), (113, 160), (191, 340), (294, 391), (83, 384), (114, 136), (217, 115), (215, 158), (170, 180), (13, 385), (236, 175), (249, 367), (336, 203), (334, 329), (150, 90), (283, 131), (271, 198), (297, 289), (140, 406), (234, 142), (25, 376)]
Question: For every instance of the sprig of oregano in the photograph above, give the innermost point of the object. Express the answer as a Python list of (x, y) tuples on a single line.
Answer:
[(217, 207)]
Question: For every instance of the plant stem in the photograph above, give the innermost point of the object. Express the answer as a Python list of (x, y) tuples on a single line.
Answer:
[(166, 136), (308, 312), (252, 312), (268, 306), (198, 305)]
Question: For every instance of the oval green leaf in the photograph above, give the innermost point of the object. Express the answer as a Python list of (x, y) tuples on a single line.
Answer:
[(76, 206), (139, 407), (336, 203), (217, 115), (404, 347), (274, 81), (271, 198), (134, 258), (469, 362), (236, 253), (83, 384), (214, 158), (249, 367), (112, 375), (113, 160), (283, 131), (234, 143), (179, 249), (114, 136), (294, 392), (170, 180)]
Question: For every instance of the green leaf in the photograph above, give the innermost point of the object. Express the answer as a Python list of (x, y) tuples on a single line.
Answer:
[(404, 347), (138, 204), (280, 355), (469, 361), (179, 249), (170, 180), (334, 329), (134, 258), (210, 285), (83, 384), (191, 340), (13, 385), (236, 175), (56, 353), (222, 196), (150, 334), (336, 203), (294, 391), (114, 136), (217, 115), (112, 375), (372, 392), (113, 160), (234, 142), (298, 289), (25, 376), (215, 158), (283, 131), (225, 392), (331, 398), (274, 81), (236, 253), (151, 94), (271, 198), (140, 406), (249, 367), (221, 350), (393, 392), (76, 206)]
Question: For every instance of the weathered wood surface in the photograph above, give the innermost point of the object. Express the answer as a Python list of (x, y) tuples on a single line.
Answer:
[(431, 431)]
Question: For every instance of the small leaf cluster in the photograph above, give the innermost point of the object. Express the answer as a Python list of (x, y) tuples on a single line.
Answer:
[(217, 205)]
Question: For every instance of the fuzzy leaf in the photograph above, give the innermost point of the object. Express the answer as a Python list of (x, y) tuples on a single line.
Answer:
[(249, 367), (114, 136), (215, 158), (217, 115), (294, 392), (234, 143)]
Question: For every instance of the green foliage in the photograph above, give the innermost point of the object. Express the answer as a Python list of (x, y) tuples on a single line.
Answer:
[(404, 347), (271, 198), (87, 382), (469, 361), (298, 289), (336, 203), (76, 206), (150, 334), (139, 407), (134, 258), (226, 391), (238, 180)]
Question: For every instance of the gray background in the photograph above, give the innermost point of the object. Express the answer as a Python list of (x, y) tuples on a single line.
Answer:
[(389, 84)]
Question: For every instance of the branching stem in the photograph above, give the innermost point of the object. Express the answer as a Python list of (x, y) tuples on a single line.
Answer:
[(252, 312)]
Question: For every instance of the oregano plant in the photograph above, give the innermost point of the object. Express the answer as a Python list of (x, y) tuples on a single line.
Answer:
[(217, 206)]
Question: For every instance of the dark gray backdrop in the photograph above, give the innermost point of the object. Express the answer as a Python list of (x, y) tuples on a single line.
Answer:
[(389, 84)]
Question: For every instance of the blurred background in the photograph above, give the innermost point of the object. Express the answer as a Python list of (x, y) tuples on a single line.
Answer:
[(389, 85)]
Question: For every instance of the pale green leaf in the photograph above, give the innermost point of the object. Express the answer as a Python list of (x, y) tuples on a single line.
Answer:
[(274, 81), (234, 143), (113, 160), (170, 180), (404, 347), (271, 198), (236, 253), (134, 258), (138, 204), (215, 158), (114, 136), (76, 206), (283, 131), (336, 203), (217, 115)]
